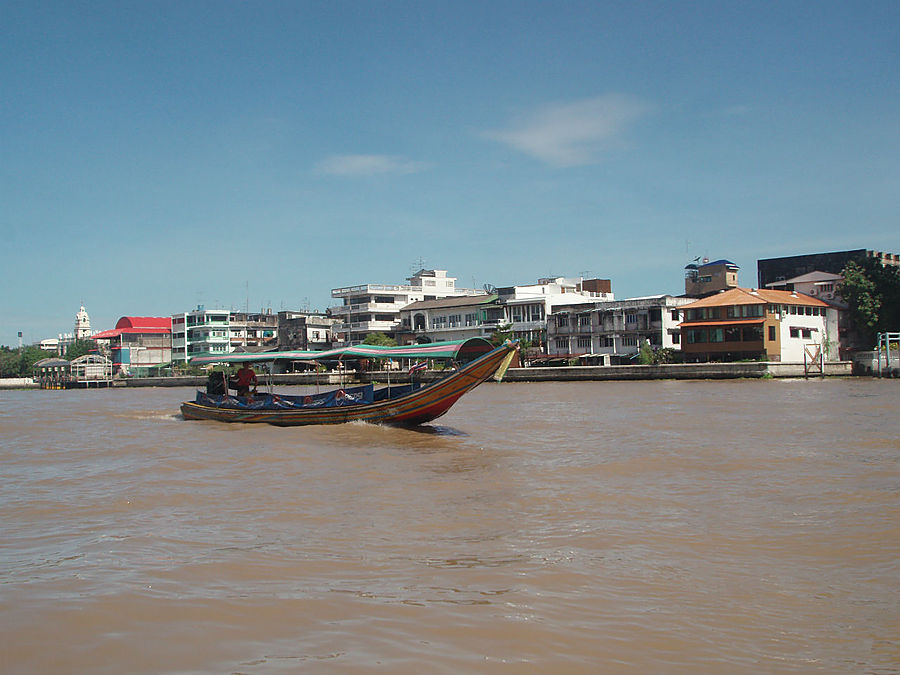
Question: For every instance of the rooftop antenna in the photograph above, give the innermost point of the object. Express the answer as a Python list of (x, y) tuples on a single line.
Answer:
[(418, 264)]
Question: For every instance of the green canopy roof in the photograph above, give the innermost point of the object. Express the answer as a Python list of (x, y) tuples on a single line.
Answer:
[(454, 349)]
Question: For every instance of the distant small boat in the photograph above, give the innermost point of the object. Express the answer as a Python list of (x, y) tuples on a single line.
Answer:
[(404, 405)]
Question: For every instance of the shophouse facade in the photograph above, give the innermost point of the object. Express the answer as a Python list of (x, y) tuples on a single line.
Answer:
[(616, 330), (200, 332), (305, 331), (252, 331)]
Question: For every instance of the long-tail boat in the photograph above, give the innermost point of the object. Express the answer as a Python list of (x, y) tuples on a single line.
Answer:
[(475, 361)]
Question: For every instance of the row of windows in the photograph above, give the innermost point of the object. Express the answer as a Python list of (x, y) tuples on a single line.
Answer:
[(731, 312), (583, 343), (695, 336), (531, 313), (747, 312)]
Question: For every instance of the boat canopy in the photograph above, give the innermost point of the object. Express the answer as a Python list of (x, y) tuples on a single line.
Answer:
[(459, 350)]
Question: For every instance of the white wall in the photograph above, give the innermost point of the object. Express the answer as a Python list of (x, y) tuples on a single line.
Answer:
[(792, 348)]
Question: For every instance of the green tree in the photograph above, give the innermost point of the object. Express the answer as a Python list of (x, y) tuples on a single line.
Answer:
[(80, 348), (645, 356), (502, 334), (20, 362), (650, 356), (872, 292), (9, 362), (380, 340)]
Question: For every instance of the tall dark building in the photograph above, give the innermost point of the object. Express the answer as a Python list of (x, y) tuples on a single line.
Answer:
[(779, 269)]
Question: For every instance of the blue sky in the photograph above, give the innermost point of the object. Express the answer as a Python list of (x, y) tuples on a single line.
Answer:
[(158, 155)]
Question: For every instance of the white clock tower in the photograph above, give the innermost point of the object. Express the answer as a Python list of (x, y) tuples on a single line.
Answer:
[(82, 325)]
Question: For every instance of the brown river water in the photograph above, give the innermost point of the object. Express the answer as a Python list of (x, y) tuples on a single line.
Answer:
[(642, 527)]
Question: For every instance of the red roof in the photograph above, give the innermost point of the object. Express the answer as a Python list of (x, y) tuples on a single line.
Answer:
[(134, 325), (145, 322)]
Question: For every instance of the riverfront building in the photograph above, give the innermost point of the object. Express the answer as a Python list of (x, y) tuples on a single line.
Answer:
[(200, 332), (375, 308), (252, 331), (137, 343), (305, 331), (528, 307), (758, 324), (455, 318), (613, 332)]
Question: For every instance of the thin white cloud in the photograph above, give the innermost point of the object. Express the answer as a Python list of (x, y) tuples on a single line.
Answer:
[(367, 165), (572, 134)]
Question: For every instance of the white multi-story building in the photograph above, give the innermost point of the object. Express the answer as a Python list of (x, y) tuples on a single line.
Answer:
[(455, 318), (200, 332), (528, 307), (617, 328), (826, 287), (371, 308)]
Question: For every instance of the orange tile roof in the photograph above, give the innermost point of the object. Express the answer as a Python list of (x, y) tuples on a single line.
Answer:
[(761, 296)]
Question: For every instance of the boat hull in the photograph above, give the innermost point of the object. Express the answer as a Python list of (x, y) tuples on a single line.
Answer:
[(418, 407)]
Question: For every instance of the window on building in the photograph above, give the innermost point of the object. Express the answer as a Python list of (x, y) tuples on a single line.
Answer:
[(607, 342), (676, 338), (771, 333), (696, 336), (562, 344), (732, 334), (584, 343), (630, 341), (674, 315), (631, 317), (716, 335), (752, 334), (806, 333), (795, 332)]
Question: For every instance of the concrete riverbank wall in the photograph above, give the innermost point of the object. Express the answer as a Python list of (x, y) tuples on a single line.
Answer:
[(670, 371), (673, 371)]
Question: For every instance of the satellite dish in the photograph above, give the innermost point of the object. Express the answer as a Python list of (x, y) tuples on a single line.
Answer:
[(490, 289)]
